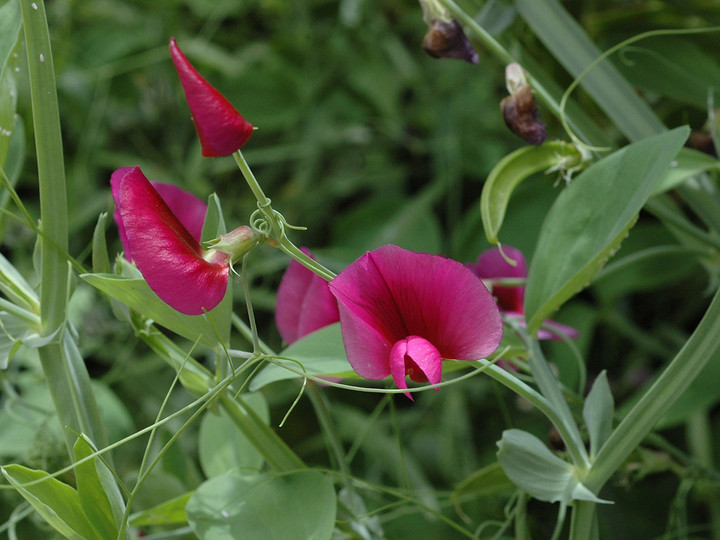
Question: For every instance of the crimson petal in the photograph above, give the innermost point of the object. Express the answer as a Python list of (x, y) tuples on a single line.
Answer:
[(304, 303), (221, 128), (167, 255), (492, 265)]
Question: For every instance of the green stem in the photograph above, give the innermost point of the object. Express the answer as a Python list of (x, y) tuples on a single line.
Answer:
[(550, 388), (584, 525), (567, 431), (500, 52), (64, 371), (277, 223), (251, 313), (198, 380), (51, 167), (701, 347), (262, 199), (552, 392), (699, 435)]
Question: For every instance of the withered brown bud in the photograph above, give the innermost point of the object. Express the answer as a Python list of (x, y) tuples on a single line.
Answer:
[(521, 116), (703, 142), (447, 40)]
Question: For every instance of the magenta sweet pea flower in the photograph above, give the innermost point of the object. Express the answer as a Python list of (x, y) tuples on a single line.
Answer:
[(170, 258), (222, 130), (304, 303), (492, 265), (402, 313)]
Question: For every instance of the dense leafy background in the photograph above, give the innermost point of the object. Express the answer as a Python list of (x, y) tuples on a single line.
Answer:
[(365, 140)]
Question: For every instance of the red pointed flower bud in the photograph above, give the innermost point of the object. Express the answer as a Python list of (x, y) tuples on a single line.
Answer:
[(222, 130)]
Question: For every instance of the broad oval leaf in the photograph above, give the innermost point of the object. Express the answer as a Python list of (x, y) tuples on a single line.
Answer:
[(590, 218), (513, 169), (222, 447), (295, 506), (535, 469)]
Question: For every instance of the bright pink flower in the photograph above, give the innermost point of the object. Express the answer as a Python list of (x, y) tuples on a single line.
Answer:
[(492, 265), (171, 260), (304, 303), (222, 130), (401, 313)]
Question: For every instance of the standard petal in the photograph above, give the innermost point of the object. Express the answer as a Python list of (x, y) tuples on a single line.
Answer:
[(221, 128), (440, 300), (492, 265), (304, 303), (166, 254), (367, 350), (189, 209), (361, 289), (398, 294), (319, 308)]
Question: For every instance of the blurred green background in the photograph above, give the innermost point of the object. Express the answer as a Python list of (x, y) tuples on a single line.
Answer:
[(365, 140)]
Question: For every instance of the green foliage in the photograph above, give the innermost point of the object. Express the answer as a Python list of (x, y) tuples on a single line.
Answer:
[(58, 503), (298, 505), (222, 447), (364, 140), (535, 469), (99, 495), (135, 293), (320, 353), (620, 184)]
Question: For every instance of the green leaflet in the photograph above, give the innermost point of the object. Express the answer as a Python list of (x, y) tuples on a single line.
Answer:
[(320, 353), (137, 295), (535, 469), (57, 503), (598, 413), (590, 218), (98, 492)]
